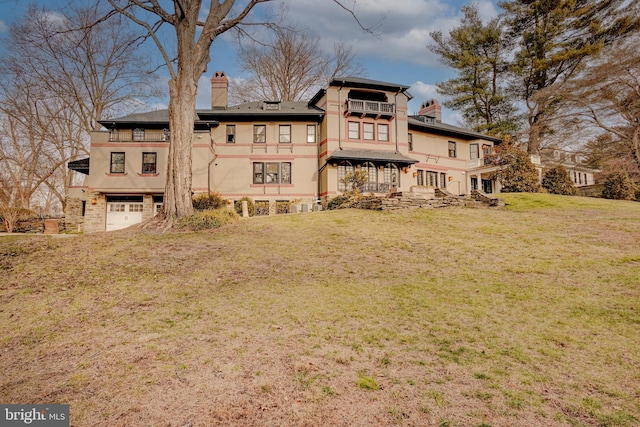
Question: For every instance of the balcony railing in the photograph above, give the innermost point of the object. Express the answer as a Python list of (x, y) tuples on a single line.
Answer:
[(137, 136), (371, 107)]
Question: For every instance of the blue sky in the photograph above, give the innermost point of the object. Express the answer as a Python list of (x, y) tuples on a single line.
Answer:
[(398, 54)]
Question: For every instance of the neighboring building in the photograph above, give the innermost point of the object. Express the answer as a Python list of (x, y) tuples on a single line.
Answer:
[(581, 174), (275, 151)]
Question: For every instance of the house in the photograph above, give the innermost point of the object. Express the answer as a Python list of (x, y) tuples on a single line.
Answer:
[(576, 164), (280, 152)]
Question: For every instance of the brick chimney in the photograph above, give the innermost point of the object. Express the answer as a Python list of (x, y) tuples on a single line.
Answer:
[(219, 91), (432, 109)]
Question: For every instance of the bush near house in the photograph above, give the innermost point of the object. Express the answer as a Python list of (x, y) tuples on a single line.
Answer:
[(208, 219), (557, 181), (251, 207), (204, 201), (619, 186)]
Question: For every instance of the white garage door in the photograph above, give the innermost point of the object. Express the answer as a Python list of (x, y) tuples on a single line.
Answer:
[(123, 214)]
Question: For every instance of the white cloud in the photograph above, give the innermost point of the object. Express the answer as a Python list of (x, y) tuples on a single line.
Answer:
[(421, 92), (402, 27), (3, 27)]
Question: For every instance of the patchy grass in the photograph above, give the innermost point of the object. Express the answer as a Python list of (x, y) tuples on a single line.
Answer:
[(523, 316)]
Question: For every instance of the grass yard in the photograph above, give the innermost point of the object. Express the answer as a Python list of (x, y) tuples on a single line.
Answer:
[(527, 315)]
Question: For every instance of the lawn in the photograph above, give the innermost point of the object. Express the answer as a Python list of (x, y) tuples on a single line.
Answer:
[(527, 315)]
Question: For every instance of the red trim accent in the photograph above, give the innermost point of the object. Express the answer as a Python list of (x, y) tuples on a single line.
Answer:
[(116, 174), (148, 174)]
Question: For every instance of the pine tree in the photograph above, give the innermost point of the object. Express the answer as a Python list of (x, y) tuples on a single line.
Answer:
[(555, 39), (478, 52)]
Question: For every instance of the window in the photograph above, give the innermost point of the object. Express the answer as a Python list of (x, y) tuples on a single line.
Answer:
[(285, 134), (391, 175), (116, 207), (420, 177), (285, 173), (474, 151), (452, 149), (259, 134), (410, 141), (367, 131), (138, 134), (443, 180), (149, 162), (383, 132), (117, 163), (258, 173), (486, 150), (354, 130), (136, 207), (311, 134), (372, 176), (344, 168), (231, 134), (431, 179), (272, 173)]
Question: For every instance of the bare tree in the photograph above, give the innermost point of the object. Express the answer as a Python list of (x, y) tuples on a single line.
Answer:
[(62, 73), (290, 68), (194, 31), (607, 97)]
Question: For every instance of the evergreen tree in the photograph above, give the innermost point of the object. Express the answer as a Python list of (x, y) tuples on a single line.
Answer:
[(555, 40), (618, 186), (557, 181), (517, 174), (478, 52)]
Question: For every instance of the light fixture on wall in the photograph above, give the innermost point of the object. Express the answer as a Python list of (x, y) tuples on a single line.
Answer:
[(94, 201)]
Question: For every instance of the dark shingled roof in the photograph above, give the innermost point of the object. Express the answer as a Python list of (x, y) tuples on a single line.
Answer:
[(371, 155), (81, 166), (290, 109), (446, 129), (359, 82)]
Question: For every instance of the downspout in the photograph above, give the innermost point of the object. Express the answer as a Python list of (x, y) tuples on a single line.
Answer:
[(215, 156), (396, 124), (341, 117)]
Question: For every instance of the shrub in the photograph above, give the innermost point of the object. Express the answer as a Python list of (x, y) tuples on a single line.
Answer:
[(204, 201), (517, 173), (557, 181), (618, 186), (250, 206), (340, 202), (208, 219)]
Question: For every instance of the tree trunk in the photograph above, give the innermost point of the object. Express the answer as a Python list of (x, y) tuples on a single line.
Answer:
[(182, 103)]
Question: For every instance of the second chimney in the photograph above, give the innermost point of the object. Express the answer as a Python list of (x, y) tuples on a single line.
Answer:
[(431, 109), (219, 91)]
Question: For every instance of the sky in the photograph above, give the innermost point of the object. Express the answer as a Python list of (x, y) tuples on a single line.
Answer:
[(397, 53)]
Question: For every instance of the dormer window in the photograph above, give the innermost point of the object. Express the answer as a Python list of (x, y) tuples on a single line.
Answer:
[(271, 105)]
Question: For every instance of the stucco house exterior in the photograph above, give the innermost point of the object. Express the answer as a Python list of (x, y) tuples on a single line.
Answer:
[(274, 151)]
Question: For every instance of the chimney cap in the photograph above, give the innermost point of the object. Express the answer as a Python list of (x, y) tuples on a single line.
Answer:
[(219, 75)]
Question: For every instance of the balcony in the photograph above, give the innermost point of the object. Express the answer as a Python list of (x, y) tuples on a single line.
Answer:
[(375, 109), (148, 135)]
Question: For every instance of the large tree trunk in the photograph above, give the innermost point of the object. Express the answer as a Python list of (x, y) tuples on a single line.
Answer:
[(182, 103)]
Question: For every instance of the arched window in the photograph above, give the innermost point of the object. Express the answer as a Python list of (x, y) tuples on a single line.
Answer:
[(372, 176), (392, 175), (344, 167)]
